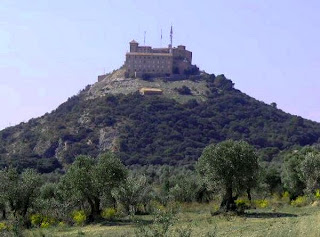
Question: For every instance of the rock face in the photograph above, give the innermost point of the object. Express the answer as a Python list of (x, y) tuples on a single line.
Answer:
[(108, 139), (171, 128)]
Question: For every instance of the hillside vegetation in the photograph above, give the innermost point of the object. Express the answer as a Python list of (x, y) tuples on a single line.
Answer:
[(228, 194), (172, 128)]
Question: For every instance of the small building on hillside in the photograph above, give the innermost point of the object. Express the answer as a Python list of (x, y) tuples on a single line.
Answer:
[(150, 91)]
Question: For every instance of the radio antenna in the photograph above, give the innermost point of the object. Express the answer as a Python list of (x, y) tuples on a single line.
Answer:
[(171, 35)]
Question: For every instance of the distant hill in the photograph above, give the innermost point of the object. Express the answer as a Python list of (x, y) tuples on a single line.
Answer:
[(172, 128)]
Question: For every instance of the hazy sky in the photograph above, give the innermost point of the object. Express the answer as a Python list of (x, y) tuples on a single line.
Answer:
[(51, 49)]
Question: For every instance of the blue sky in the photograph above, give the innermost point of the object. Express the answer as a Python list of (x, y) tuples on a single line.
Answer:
[(49, 50)]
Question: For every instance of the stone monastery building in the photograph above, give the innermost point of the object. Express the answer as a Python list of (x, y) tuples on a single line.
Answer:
[(145, 60)]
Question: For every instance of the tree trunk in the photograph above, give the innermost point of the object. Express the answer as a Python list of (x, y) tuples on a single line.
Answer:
[(91, 216), (95, 209), (4, 214), (114, 202), (249, 194), (228, 203)]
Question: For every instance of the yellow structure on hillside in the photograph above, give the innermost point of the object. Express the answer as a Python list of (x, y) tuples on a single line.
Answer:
[(150, 91)]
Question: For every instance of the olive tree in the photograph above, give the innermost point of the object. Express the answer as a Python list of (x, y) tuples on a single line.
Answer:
[(88, 181), (51, 202), (292, 176), (310, 171), (186, 186), (133, 192), (19, 191), (231, 167)]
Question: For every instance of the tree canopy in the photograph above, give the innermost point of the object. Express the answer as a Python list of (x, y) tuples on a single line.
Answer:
[(19, 190), (88, 181), (300, 170), (230, 166)]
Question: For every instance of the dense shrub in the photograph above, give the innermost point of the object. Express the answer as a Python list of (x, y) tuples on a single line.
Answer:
[(79, 217), (285, 197), (36, 219), (109, 214), (261, 203), (300, 201), (184, 90), (3, 226), (45, 224), (194, 70), (242, 204)]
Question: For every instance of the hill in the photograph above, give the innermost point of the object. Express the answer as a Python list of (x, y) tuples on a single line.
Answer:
[(171, 128)]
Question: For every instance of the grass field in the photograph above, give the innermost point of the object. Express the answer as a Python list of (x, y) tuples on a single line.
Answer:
[(285, 221)]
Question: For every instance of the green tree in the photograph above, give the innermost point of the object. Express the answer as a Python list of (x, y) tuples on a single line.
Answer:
[(230, 166), (50, 202), (274, 105), (292, 176), (89, 181), (270, 179), (186, 186), (310, 170), (134, 191), (19, 190)]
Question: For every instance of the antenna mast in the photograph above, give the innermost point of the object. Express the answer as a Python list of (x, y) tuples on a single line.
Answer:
[(144, 39), (171, 35), (161, 39)]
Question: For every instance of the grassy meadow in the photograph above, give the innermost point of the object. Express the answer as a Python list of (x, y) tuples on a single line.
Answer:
[(195, 220)]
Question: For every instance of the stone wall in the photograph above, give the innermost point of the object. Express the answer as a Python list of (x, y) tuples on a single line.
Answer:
[(148, 63), (143, 60)]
